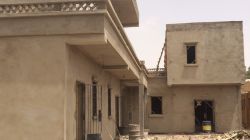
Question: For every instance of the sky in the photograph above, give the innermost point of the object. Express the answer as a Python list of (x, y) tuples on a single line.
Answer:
[(148, 39)]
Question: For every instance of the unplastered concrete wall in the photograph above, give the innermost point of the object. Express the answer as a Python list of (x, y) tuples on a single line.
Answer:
[(32, 77), (219, 53), (81, 68), (178, 107)]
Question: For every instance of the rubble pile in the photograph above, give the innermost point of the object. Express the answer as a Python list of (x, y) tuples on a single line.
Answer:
[(235, 135)]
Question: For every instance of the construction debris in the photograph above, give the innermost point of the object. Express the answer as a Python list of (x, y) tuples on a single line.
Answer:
[(232, 135), (178, 137), (235, 135)]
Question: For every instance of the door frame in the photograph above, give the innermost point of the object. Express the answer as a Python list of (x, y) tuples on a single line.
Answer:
[(80, 86), (213, 109)]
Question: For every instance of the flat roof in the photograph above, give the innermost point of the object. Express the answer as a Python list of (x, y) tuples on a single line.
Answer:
[(203, 25)]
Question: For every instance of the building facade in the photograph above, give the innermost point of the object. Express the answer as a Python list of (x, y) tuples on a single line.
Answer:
[(68, 71), (204, 65), (66, 66)]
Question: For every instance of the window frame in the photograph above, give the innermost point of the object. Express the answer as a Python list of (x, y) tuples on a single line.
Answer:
[(94, 99), (151, 107), (189, 44)]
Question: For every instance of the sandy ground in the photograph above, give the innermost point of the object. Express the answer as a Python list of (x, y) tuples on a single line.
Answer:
[(180, 137), (183, 137)]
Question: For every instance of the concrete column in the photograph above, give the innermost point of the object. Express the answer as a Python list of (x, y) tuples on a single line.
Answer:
[(141, 109)]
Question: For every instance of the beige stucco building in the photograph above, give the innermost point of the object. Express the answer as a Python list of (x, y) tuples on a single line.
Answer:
[(204, 68), (64, 67), (69, 72)]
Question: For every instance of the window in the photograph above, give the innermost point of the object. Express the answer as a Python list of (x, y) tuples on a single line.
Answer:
[(156, 105), (94, 98), (191, 53), (109, 101)]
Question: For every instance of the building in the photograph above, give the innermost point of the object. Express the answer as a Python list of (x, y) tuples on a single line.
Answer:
[(66, 66), (68, 71), (245, 99), (204, 69)]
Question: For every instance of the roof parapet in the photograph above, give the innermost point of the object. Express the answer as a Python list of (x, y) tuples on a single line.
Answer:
[(203, 25), (153, 73)]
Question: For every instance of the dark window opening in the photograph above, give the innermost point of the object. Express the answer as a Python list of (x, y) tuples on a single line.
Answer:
[(191, 56), (156, 105), (109, 101), (94, 99)]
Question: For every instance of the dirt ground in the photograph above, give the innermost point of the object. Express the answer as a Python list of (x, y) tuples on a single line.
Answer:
[(180, 137), (232, 135), (183, 137)]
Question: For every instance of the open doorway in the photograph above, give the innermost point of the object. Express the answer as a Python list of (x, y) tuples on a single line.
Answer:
[(80, 111), (204, 111)]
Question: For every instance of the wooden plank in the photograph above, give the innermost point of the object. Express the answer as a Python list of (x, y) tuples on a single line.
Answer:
[(248, 110)]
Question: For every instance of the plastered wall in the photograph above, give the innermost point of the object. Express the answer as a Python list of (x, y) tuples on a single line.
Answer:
[(130, 106), (81, 68), (178, 107), (38, 95), (219, 53), (32, 88)]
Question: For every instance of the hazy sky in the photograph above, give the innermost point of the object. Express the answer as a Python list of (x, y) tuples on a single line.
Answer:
[(148, 38)]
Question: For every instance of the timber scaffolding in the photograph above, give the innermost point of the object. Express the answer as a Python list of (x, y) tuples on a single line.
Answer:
[(160, 72)]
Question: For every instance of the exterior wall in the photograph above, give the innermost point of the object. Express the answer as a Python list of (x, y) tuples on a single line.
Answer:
[(39, 72), (38, 97), (130, 106), (32, 88), (178, 107), (219, 53), (52, 25), (81, 68)]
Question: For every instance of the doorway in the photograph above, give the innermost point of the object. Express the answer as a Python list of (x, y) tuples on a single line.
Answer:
[(204, 111), (80, 111)]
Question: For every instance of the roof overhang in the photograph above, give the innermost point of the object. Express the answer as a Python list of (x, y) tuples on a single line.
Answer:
[(109, 59), (127, 11), (94, 28)]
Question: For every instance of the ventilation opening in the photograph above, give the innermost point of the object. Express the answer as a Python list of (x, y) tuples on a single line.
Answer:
[(204, 112)]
